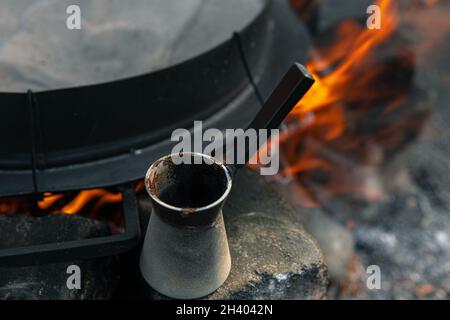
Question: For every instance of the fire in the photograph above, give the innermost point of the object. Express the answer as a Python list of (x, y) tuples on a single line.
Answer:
[(344, 126), (99, 204), (83, 198), (94, 203), (353, 55), (49, 200)]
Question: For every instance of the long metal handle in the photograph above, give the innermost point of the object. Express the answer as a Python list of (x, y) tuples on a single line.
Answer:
[(292, 87), (289, 91)]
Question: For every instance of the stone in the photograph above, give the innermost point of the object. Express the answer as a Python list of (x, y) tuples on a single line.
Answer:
[(98, 276), (336, 242), (272, 258)]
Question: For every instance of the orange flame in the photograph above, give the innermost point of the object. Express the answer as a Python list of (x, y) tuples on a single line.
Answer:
[(93, 203), (355, 54), (101, 196), (49, 200), (321, 139)]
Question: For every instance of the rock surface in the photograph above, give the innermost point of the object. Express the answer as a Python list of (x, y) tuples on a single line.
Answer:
[(98, 276), (273, 258)]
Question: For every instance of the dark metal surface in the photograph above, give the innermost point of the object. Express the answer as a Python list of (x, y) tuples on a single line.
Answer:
[(81, 249), (108, 134), (291, 88)]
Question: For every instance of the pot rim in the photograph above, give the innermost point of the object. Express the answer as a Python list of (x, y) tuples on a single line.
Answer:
[(210, 159)]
